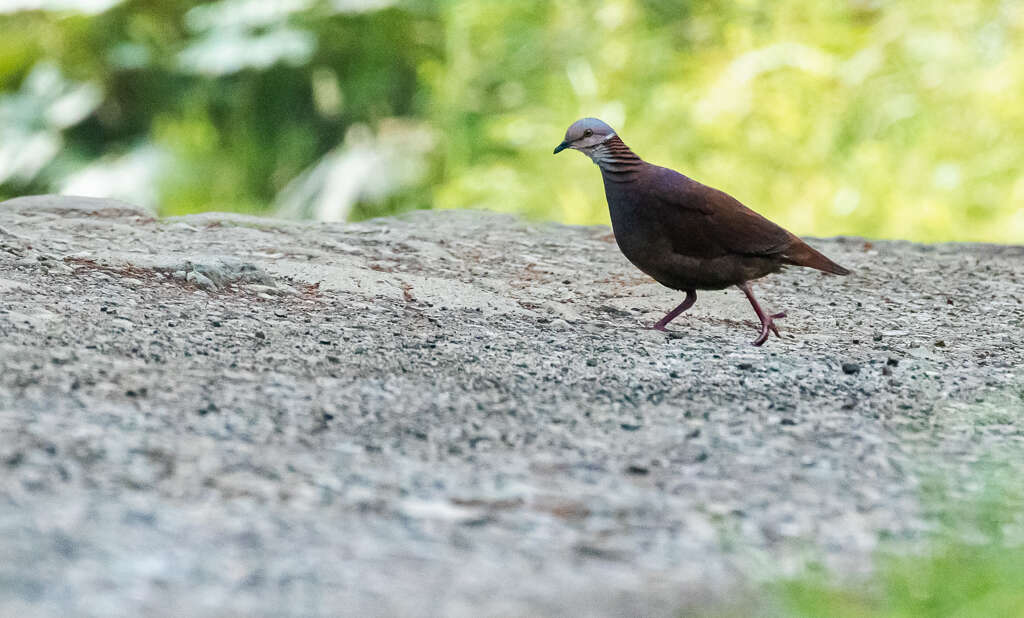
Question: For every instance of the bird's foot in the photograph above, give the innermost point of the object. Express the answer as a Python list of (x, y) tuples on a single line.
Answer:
[(768, 324), (691, 297)]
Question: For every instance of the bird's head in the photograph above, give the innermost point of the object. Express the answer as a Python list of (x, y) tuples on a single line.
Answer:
[(586, 135)]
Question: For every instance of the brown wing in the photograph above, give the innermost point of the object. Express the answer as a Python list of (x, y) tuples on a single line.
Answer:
[(709, 223)]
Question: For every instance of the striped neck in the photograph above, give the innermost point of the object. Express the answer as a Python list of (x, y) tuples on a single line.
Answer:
[(615, 159)]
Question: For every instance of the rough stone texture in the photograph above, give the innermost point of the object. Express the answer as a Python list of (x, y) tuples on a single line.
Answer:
[(461, 413)]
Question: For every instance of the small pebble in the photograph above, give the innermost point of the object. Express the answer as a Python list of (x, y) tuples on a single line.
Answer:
[(201, 280), (851, 368)]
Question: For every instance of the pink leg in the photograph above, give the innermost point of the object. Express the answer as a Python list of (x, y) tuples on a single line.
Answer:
[(691, 297), (767, 321)]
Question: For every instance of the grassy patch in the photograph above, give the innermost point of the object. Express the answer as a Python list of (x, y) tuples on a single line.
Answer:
[(973, 566), (954, 579)]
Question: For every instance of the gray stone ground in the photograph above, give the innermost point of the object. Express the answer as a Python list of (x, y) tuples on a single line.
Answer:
[(459, 413)]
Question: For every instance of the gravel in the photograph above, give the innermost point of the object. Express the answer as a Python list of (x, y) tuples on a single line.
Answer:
[(461, 413)]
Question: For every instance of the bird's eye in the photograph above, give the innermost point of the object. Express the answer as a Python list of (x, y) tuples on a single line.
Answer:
[(588, 133)]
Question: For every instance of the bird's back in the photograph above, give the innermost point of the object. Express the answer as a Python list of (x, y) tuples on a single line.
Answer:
[(688, 235)]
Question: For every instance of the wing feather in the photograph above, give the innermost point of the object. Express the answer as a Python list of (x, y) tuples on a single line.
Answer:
[(708, 223)]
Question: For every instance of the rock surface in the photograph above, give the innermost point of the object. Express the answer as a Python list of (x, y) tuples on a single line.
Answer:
[(461, 413)]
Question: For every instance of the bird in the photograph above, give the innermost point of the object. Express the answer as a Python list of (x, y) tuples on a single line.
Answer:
[(686, 235)]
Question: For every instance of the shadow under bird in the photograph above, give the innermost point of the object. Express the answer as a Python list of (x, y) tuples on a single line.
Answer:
[(686, 235)]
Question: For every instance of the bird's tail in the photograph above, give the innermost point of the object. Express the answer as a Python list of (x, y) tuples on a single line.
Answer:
[(802, 254)]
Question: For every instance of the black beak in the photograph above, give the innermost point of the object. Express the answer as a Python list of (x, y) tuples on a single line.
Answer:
[(561, 147)]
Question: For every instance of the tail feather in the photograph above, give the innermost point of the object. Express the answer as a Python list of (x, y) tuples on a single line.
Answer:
[(802, 254)]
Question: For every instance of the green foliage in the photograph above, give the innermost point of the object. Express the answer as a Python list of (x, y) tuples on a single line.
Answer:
[(885, 120), (973, 568), (955, 580), (893, 119)]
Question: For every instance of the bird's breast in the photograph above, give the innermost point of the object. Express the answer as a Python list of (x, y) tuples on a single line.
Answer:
[(640, 236)]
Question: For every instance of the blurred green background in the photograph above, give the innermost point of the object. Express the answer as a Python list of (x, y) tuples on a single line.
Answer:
[(886, 119)]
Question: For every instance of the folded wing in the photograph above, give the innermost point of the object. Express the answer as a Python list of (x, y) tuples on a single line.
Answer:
[(709, 223)]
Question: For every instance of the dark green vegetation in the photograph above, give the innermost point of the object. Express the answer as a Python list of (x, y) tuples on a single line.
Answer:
[(890, 119)]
